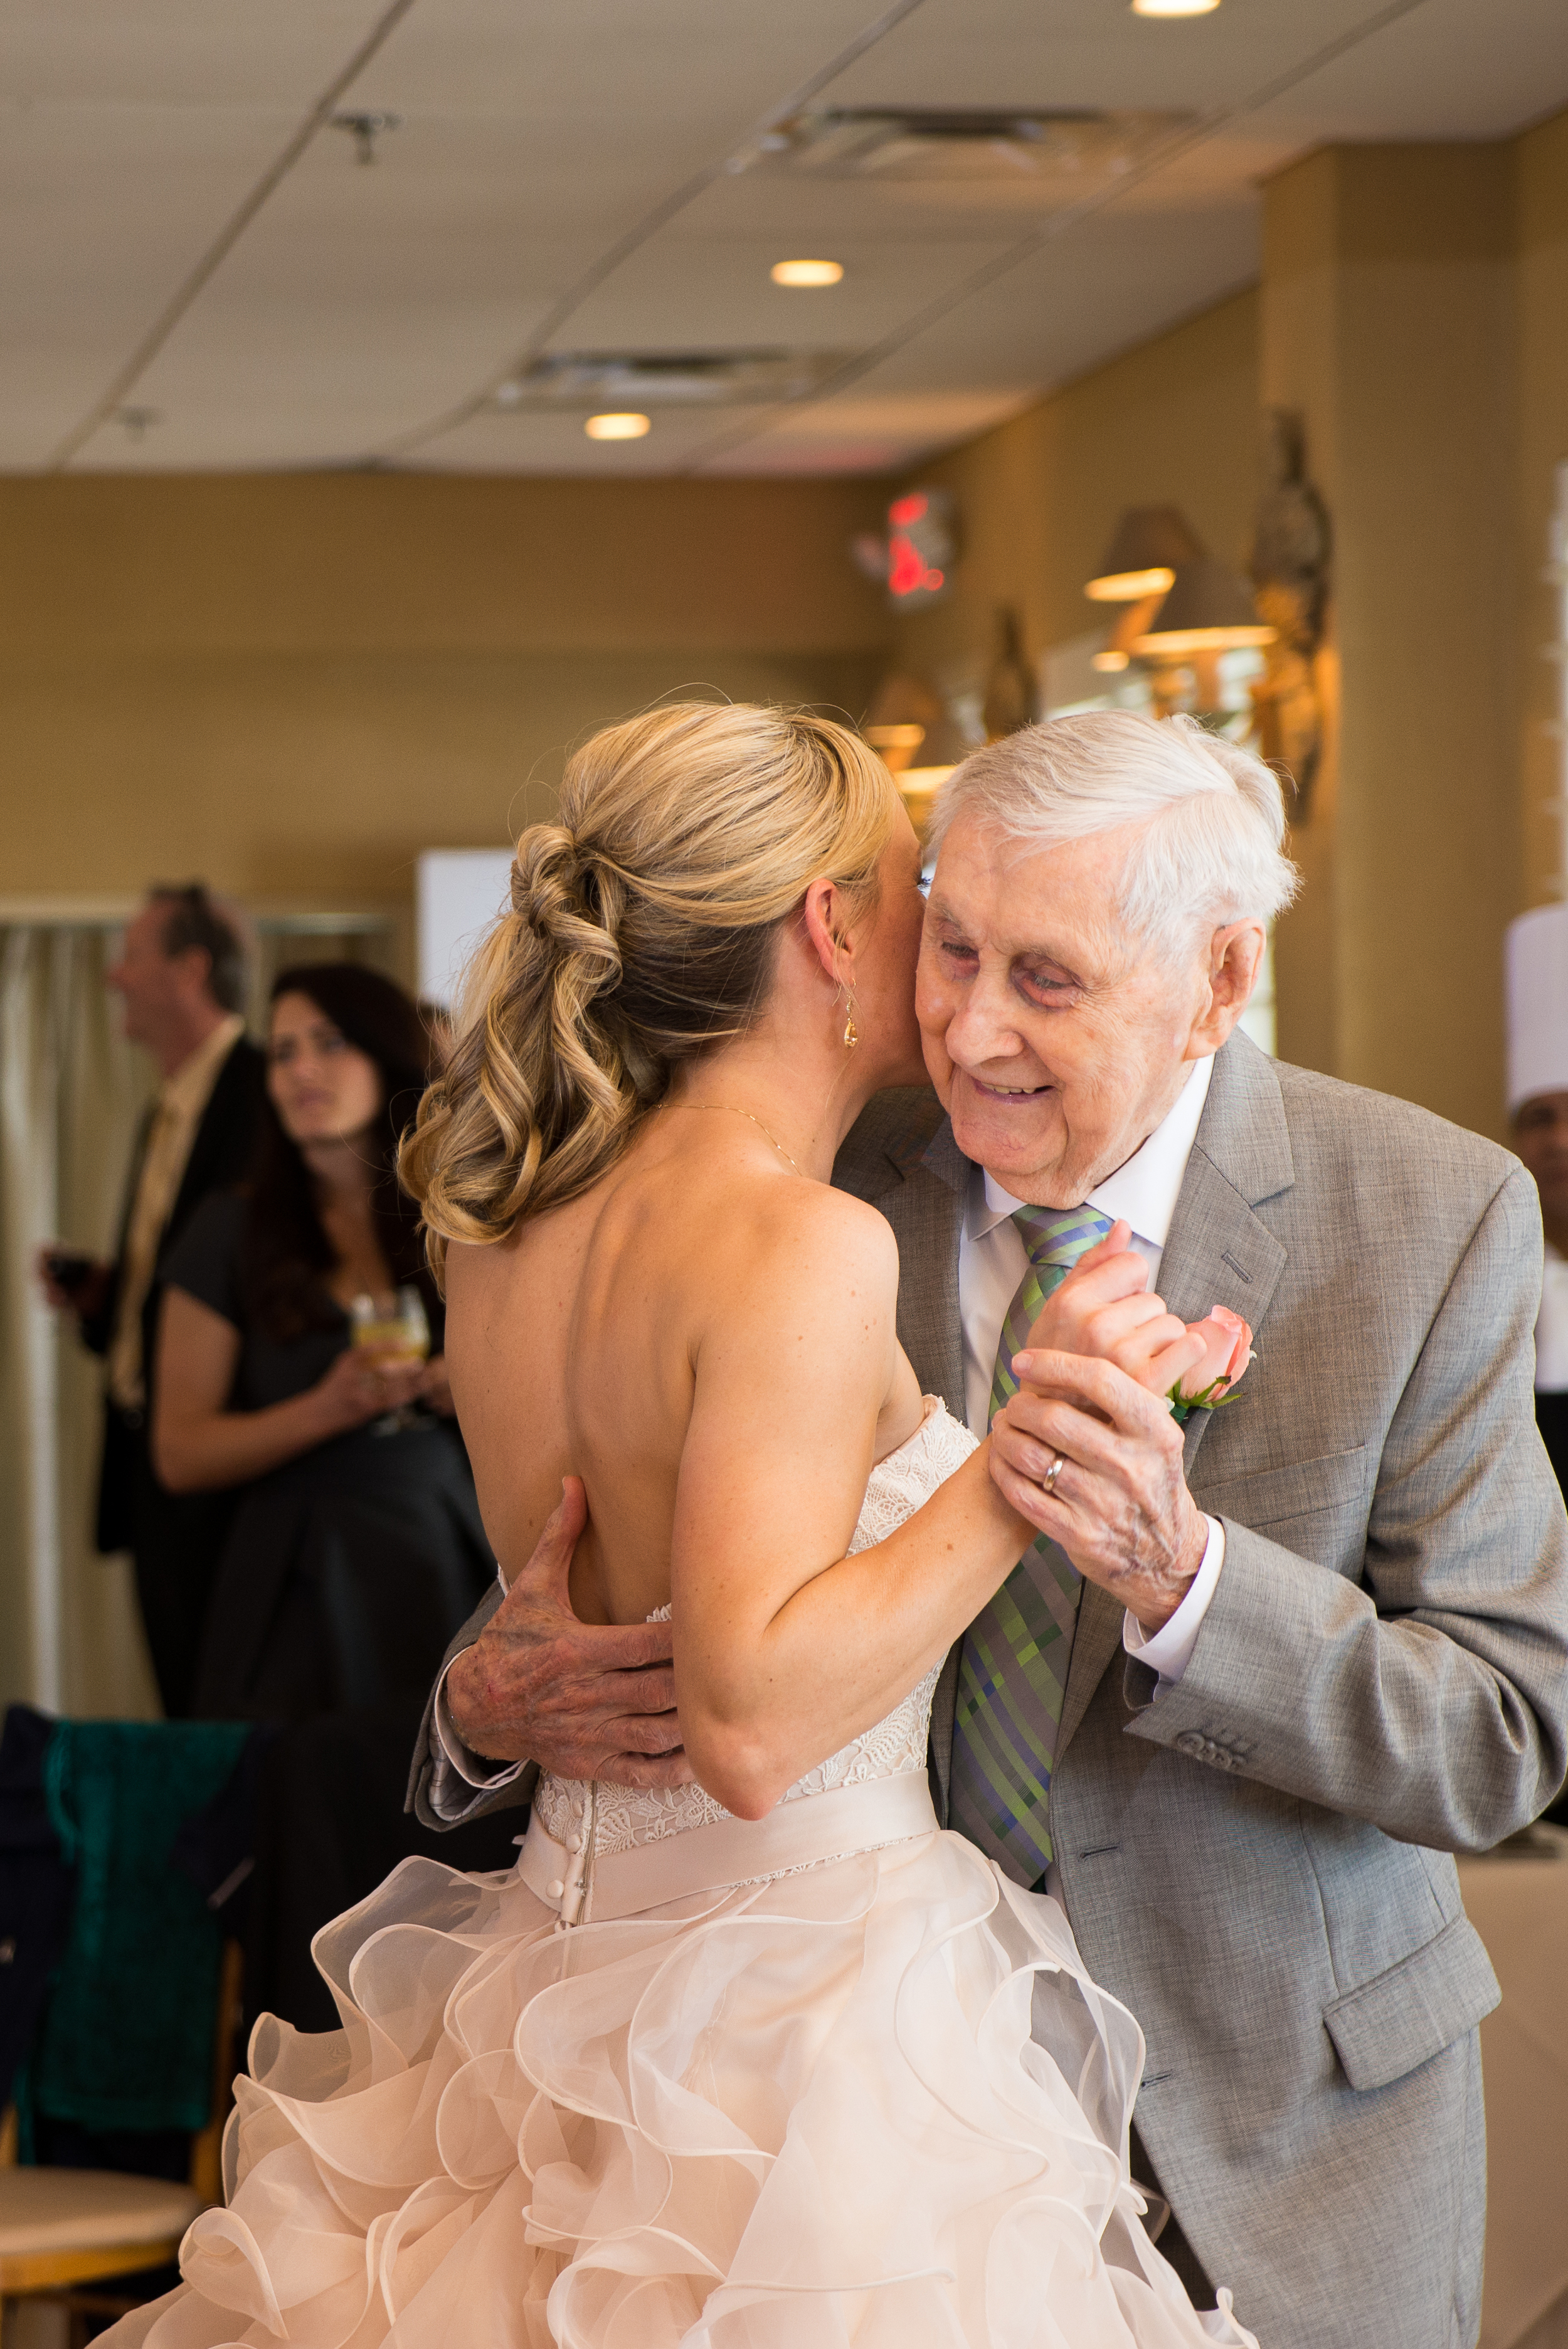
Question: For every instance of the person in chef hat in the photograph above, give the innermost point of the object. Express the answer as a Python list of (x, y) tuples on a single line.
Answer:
[(1538, 1109)]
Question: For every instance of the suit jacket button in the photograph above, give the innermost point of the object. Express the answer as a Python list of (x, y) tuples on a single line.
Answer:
[(1191, 1742)]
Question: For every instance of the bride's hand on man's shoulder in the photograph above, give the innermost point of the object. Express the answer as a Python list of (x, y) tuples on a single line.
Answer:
[(1105, 1311)]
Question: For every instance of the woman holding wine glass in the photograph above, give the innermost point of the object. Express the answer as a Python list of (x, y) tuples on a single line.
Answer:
[(300, 1360)]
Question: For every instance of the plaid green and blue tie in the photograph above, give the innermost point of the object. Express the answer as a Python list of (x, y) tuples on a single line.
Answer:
[(1013, 1668)]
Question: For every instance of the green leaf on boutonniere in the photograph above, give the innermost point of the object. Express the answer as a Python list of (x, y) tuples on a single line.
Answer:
[(1212, 1398)]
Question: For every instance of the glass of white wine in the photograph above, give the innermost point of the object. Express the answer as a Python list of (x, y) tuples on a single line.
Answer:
[(396, 1329)]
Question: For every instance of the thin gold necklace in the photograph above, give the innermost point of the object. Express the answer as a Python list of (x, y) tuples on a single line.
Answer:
[(736, 1111)]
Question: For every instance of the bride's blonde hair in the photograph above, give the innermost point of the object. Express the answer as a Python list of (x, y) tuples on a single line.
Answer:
[(641, 933)]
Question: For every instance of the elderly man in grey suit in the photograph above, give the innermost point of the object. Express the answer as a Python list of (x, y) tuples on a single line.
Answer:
[(1264, 1677)]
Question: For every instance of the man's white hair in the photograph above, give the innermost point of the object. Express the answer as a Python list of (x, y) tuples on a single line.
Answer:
[(1210, 846)]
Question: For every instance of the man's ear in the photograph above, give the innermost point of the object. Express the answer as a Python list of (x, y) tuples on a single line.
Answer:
[(827, 928), (195, 965), (1235, 958)]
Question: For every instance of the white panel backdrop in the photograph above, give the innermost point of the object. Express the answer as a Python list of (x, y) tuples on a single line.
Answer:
[(460, 893)]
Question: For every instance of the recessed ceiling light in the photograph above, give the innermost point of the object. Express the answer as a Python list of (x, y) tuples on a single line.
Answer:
[(617, 428), (806, 273), (1173, 8)]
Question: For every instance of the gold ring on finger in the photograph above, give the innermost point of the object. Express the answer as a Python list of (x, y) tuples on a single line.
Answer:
[(1048, 1484)]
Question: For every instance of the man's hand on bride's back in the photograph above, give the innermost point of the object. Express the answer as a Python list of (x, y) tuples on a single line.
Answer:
[(1105, 1311), (583, 1699)]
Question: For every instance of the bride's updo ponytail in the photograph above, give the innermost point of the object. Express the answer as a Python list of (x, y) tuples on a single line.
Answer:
[(641, 933)]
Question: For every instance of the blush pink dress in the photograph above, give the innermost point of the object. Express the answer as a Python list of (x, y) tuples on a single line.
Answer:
[(822, 2079)]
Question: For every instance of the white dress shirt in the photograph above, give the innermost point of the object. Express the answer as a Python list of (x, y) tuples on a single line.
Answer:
[(991, 1261)]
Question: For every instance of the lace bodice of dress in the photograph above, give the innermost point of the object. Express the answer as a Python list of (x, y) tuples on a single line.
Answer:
[(897, 1487)]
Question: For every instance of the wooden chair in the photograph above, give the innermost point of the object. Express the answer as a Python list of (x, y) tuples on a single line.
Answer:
[(63, 2229)]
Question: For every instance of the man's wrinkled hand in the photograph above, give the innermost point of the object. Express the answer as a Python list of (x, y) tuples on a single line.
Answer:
[(1118, 1505), (583, 1699)]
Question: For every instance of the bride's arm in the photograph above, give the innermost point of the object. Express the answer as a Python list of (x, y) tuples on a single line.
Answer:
[(785, 1648)]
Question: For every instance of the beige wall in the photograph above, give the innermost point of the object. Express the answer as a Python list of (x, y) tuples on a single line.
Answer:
[(1543, 297), (291, 684), (1174, 422), (1389, 320)]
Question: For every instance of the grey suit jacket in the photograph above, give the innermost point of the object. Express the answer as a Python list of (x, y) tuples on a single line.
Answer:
[(1258, 1863)]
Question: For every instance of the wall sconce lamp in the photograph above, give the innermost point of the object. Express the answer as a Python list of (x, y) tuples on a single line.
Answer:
[(1150, 545), (1208, 610), (895, 745)]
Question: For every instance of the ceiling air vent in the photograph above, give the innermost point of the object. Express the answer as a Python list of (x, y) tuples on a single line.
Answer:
[(582, 379), (1050, 145)]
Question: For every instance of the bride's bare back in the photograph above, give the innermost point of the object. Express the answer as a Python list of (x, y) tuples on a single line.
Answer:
[(681, 1310), (574, 1347)]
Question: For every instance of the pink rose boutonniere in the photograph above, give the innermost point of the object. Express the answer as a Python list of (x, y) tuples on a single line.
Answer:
[(1211, 1381)]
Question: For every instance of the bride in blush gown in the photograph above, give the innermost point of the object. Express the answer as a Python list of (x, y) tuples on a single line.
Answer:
[(767, 2061)]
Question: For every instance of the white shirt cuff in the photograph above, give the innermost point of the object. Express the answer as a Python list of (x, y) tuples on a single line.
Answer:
[(453, 1759), (1168, 1651)]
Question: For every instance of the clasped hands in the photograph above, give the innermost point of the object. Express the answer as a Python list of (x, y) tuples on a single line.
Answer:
[(596, 1700), (1095, 1379)]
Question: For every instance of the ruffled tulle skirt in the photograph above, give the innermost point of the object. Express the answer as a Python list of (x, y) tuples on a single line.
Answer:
[(874, 2101)]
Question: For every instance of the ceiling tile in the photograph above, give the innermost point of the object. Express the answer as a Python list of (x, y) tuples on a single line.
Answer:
[(522, 201)]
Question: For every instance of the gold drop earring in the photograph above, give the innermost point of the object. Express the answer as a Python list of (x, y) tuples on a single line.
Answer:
[(851, 1033)]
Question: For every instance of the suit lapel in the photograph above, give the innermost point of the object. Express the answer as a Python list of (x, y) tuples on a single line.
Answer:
[(912, 1169), (933, 1331), (201, 1172), (1218, 1252)]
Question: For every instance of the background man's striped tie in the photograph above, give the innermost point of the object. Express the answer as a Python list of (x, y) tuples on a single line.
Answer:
[(1013, 1668)]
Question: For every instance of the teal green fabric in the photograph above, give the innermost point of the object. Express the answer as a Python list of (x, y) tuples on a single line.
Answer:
[(125, 2042)]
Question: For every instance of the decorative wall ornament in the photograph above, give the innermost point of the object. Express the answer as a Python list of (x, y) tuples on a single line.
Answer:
[(1011, 697), (1292, 544)]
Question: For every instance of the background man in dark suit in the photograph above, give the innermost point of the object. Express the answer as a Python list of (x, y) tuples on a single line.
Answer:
[(182, 978)]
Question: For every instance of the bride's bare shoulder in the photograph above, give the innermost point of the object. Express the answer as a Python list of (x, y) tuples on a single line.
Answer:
[(707, 1233), (840, 1220), (789, 1240)]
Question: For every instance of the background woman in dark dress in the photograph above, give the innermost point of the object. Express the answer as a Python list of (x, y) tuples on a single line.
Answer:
[(356, 1548)]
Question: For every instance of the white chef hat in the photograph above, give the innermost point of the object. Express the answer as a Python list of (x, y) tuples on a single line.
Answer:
[(1537, 968)]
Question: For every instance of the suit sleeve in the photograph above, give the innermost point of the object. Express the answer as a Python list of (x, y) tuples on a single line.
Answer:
[(436, 1796), (1431, 1697)]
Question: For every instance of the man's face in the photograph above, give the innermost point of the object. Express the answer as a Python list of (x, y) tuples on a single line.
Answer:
[(1540, 1138), (153, 985), (1057, 1041)]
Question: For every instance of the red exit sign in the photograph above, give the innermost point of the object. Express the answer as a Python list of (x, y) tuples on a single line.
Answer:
[(921, 542)]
